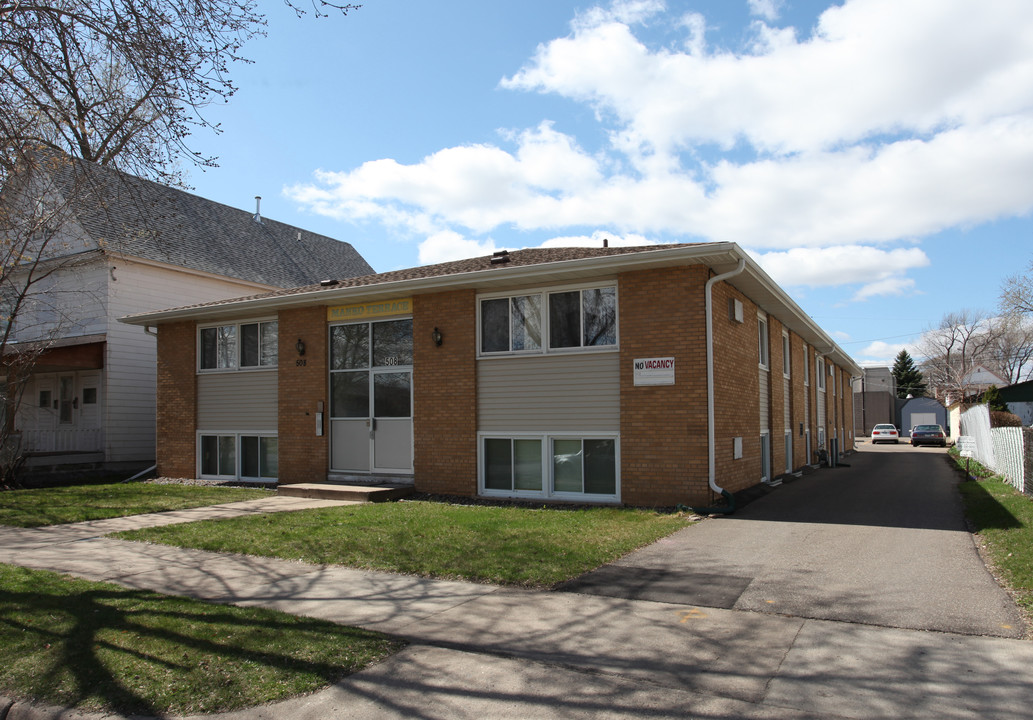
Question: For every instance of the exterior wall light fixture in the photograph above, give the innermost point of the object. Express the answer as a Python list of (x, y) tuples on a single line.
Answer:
[(437, 337), (300, 347)]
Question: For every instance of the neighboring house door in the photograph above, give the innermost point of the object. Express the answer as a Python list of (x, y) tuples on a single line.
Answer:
[(62, 414), (371, 397)]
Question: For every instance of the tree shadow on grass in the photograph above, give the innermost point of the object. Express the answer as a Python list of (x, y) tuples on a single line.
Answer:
[(100, 647)]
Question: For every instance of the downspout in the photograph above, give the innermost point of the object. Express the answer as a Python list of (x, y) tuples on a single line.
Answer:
[(711, 464)]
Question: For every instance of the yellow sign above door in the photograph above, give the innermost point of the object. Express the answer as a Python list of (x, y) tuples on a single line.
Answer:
[(364, 311)]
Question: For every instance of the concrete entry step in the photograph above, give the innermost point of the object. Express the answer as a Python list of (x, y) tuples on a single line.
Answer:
[(353, 493)]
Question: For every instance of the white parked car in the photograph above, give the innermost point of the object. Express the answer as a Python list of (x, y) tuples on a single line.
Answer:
[(885, 433)]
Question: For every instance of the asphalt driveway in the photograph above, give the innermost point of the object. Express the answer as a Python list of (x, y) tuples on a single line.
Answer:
[(881, 542)]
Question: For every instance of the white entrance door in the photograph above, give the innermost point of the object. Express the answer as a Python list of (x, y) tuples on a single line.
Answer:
[(371, 397)]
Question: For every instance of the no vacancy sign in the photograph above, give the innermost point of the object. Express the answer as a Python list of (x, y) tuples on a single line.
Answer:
[(654, 371)]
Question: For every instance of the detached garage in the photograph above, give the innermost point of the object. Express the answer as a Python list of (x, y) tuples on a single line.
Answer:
[(921, 411), (652, 376)]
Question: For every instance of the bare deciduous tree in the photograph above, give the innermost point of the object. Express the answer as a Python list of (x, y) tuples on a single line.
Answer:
[(1011, 347), (953, 349), (121, 83), (1017, 293)]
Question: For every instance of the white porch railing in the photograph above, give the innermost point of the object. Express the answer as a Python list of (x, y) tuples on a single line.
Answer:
[(63, 440)]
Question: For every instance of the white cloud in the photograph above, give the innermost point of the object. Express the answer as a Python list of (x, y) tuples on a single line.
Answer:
[(843, 265), (871, 67), (596, 240), (891, 286), (447, 246), (767, 9), (881, 353), (889, 123)]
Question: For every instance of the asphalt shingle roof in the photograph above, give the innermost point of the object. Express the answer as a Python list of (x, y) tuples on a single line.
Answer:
[(144, 219), (516, 258)]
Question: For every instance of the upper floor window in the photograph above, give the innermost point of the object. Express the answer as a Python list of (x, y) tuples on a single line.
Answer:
[(786, 362), (819, 372), (238, 346), (806, 366), (542, 322), (762, 341)]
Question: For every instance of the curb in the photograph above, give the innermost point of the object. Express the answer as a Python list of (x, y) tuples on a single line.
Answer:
[(24, 710)]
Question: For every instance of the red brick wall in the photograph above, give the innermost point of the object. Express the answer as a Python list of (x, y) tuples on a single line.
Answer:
[(736, 391), (799, 400), (304, 456), (445, 393), (778, 400), (176, 453), (663, 429)]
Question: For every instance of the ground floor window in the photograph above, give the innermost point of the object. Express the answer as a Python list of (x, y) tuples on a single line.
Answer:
[(238, 456), (765, 457), (550, 466)]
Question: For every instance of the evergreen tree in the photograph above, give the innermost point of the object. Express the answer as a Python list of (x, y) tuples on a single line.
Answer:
[(992, 397), (908, 377)]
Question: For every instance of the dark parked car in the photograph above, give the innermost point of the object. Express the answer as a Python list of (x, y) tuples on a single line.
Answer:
[(928, 435)]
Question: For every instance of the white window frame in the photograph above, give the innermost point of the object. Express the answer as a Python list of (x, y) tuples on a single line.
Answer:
[(548, 480), (787, 360), (765, 457), (763, 341), (544, 293), (819, 371), (237, 367), (236, 435), (806, 366)]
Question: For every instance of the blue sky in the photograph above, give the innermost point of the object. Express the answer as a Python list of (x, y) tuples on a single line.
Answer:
[(874, 156)]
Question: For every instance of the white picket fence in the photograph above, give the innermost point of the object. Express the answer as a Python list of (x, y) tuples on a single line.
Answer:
[(999, 449)]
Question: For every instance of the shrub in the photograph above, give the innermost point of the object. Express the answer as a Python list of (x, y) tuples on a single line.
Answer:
[(1000, 418)]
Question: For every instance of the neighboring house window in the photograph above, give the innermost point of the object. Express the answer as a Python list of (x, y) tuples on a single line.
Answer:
[(245, 345), (819, 371), (785, 355), (239, 456), (762, 341), (545, 466), (541, 322), (806, 366)]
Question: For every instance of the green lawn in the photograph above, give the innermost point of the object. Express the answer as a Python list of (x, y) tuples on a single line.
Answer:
[(76, 503), (1003, 517), (97, 646), (505, 545)]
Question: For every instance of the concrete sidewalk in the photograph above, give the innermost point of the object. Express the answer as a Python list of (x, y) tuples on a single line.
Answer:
[(484, 651)]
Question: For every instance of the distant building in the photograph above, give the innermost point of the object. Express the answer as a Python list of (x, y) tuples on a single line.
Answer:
[(875, 396)]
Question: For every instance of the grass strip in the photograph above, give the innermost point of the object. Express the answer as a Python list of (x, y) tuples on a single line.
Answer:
[(1003, 518), (503, 545), (101, 647), (78, 503)]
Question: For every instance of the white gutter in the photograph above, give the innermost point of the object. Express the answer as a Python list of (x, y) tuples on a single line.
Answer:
[(708, 293)]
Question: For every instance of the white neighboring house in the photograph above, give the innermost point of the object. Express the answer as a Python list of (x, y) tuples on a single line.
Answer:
[(141, 246)]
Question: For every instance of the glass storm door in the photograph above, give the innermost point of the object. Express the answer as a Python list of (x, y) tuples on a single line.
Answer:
[(371, 397)]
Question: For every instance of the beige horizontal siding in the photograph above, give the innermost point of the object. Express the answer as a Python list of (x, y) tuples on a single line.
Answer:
[(566, 393), (234, 401)]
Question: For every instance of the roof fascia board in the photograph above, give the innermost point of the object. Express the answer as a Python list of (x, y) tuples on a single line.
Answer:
[(136, 259)]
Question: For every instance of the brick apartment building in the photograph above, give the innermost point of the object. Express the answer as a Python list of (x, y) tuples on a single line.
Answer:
[(567, 374)]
